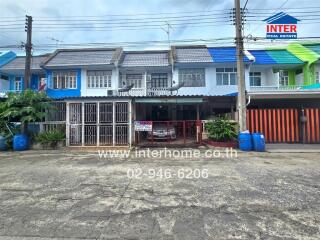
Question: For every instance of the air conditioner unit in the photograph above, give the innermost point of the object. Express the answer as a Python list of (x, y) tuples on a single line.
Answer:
[(111, 93)]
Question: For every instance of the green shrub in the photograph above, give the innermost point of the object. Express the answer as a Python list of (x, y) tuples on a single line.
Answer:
[(50, 138), (7, 129), (25, 107), (221, 130)]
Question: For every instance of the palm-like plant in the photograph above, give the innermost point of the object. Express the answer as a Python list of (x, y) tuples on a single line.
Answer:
[(221, 130), (25, 107)]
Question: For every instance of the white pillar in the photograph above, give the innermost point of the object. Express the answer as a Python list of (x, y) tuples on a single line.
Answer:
[(130, 123), (113, 123), (82, 123), (67, 125), (145, 82), (98, 123)]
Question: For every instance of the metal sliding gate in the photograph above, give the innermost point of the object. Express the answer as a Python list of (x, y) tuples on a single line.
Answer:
[(286, 125), (175, 133), (99, 124)]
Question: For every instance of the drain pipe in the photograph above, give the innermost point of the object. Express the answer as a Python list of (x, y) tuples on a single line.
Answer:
[(249, 101)]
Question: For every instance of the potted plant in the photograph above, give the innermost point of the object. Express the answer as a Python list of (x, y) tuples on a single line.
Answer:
[(51, 139), (222, 132)]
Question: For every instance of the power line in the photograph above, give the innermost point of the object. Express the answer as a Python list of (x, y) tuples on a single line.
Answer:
[(140, 14), (133, 28), (245, 5)]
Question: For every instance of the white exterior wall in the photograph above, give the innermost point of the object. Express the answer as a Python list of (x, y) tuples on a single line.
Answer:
[(4, 85), (268, 77), (85, 91), (211, 88)]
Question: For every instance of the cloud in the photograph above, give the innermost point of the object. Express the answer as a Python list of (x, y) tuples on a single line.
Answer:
[(62, 9)]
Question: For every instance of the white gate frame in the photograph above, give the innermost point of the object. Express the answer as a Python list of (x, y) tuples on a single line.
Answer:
[(113, 101)]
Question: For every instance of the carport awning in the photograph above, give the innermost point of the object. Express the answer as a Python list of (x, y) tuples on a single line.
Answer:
[(169, 100)]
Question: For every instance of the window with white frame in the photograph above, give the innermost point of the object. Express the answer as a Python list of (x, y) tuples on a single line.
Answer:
[(226, 76), (135, 79), (193, 77), (18, 84), (159, 80), (64, 80), (99, 79), (317, 77), (283, 78), (255, 79)]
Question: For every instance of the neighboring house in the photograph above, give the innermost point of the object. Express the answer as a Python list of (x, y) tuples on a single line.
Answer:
[(87, 81), (14, 72), (5, 57), (225, 72), (81, 72), (283, 77)]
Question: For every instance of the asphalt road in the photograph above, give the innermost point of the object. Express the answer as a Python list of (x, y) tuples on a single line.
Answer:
[(77, 195)]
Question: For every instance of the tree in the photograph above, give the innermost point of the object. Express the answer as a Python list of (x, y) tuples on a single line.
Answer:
[(25, 107)]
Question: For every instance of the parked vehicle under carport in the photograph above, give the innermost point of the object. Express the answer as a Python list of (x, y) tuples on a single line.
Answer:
[(162, 132)]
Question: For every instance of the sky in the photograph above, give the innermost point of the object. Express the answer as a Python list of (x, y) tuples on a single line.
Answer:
[(106, 9)]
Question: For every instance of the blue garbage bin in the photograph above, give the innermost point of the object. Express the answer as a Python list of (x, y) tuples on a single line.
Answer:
[(245, 141), (259, 143)]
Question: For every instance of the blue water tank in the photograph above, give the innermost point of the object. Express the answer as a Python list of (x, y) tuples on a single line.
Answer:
[(20, 142), (245, 141), (259, 143), (3, 144)]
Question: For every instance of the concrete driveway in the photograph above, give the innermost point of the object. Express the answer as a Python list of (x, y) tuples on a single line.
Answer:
[(78, 195)]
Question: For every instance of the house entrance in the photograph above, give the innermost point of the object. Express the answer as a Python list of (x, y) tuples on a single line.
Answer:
[(169, 133), (98, 124)]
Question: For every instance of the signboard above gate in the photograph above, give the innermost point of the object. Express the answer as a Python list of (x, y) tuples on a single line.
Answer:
[(143, 126), (281, 26)]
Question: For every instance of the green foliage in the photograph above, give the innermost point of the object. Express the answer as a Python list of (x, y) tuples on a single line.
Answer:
[(50, 138), (7, 129), (221, 130), (25, 107)]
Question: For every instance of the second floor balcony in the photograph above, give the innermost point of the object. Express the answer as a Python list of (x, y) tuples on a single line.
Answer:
[(142, 92), (289, 88), (275, 88)]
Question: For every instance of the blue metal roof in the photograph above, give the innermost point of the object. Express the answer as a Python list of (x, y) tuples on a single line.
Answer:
[(262, 57), (6, 57), (224, 55)]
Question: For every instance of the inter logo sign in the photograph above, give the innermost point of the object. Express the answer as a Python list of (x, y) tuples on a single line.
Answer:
[(281, 26)]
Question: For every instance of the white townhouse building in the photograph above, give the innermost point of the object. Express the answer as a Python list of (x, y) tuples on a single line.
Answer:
[(102, 92)]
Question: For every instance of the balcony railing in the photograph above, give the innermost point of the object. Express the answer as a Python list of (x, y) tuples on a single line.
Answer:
[(158, 92), (276, 88), (134, 92), (142, 92)]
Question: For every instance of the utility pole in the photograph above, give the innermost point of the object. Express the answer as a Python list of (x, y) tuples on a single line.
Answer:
[(241, 103), (28, 48)]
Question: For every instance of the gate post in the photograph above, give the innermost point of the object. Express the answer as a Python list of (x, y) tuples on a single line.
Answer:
[(98, 123), (67, 125), (303, 120), (130, 122), (152, 132), (198, 123), (82, 124), (113, 124), (184, 132)]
